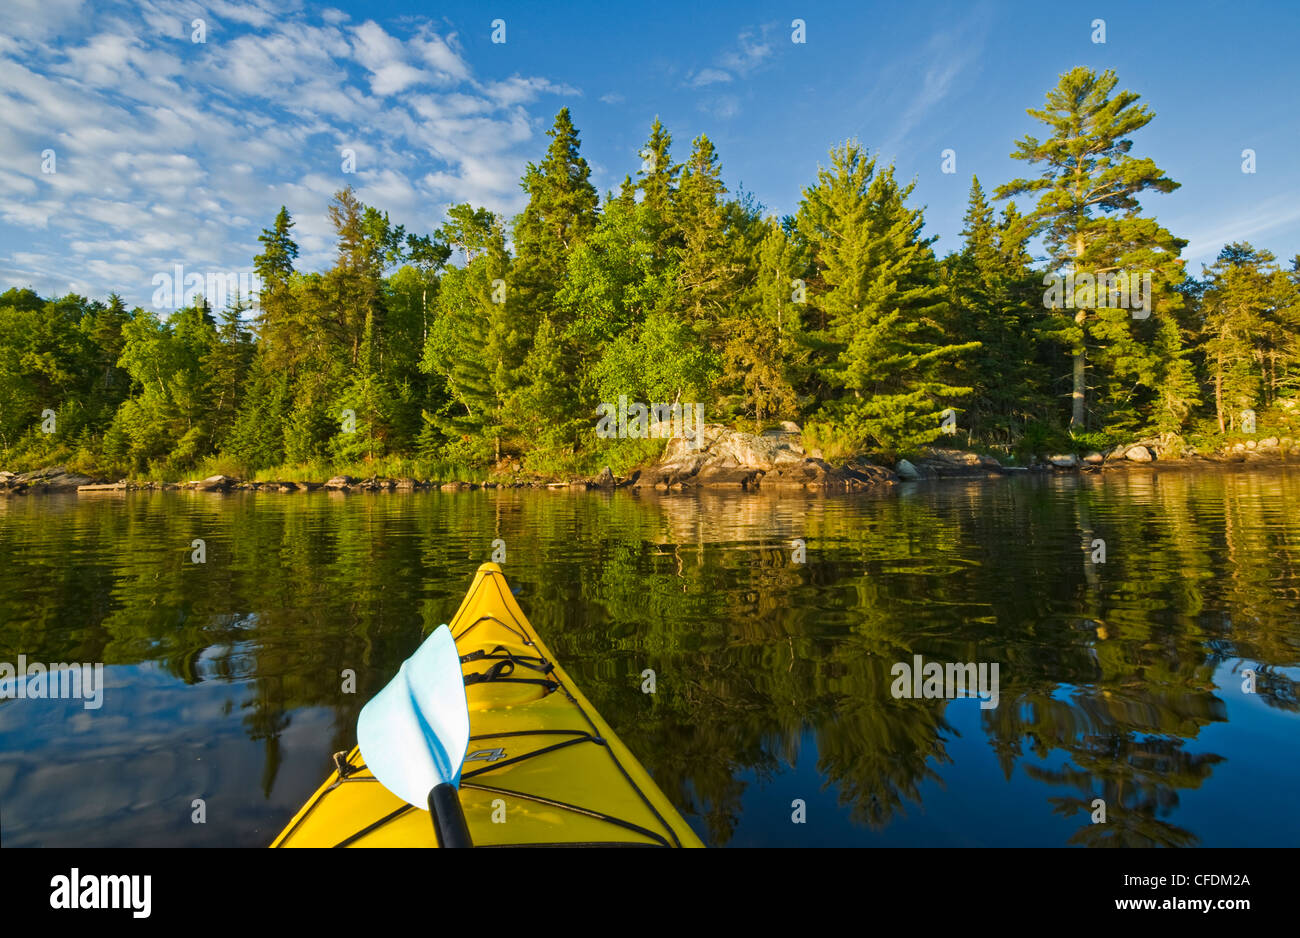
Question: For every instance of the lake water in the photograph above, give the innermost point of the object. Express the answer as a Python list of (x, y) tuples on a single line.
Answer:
[(1123, 680)]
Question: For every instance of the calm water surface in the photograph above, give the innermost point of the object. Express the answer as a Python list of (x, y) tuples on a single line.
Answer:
[(1121, 681)]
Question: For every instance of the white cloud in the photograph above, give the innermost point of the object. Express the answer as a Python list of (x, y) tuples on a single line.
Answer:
[(40, 19), (170, 151), (709, 76), (751, 52), (723, 106), (947, 56), (1268, 215)]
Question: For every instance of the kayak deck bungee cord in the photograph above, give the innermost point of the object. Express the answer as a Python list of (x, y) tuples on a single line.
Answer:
[(542, 767)]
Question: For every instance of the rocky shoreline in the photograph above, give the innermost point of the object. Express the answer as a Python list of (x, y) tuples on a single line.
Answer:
[(723, 459)]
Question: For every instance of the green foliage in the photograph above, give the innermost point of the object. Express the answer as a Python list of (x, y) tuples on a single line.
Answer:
[(443, 349), (1090, 219), (876, 307)]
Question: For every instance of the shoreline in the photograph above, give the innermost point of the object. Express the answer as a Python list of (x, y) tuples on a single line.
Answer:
[(667, 478)]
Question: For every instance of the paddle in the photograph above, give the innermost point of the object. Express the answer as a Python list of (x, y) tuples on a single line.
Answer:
[(413, 735)]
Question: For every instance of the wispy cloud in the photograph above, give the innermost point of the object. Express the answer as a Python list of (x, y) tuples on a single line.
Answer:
[(1262, 218), (170, 151), (752, 50), (709, 76), (946, 57)]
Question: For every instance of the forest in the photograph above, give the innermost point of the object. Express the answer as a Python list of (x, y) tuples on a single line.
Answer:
[(487, 345)]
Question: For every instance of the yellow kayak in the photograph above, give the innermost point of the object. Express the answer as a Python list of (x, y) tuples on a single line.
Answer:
[(542, 768)]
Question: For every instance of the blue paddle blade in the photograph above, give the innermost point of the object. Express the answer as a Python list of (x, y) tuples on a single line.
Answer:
[(413, 733)]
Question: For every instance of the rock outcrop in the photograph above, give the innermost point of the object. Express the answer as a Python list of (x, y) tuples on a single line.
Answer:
[(775, 459), (54, 479)]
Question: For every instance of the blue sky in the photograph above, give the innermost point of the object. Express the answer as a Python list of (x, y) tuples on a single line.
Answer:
[(175, 152)]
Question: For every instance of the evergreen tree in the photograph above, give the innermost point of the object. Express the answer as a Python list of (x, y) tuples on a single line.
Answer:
[(225, 366), (705, 273), (658, 187), (274, 266), (468, 345), (276, 320), (560, 213), (992, 301), (878, 303), (1249, 331), (763, 336), (1089, 215)]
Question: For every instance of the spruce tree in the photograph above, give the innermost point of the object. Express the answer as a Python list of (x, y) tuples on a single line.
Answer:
[(992, 301), (276, 316), (705, 272), (658, 187), (560, 213), (763, 335)]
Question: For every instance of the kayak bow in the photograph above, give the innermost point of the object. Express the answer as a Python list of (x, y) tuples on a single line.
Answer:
[(542, 767)]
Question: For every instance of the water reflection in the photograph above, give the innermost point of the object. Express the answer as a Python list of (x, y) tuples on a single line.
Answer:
[(230, 674)]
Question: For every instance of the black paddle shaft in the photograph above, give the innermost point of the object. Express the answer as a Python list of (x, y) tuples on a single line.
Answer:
[(448, 817)]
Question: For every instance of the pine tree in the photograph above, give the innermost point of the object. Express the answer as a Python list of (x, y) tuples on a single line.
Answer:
[(1088, 211), (1249, 330), (276, 320), (878, 303), (274, 266), (469, 343)]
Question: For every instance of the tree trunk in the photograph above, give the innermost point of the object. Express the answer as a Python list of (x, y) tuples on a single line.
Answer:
[(1218, 397), (1080, 389), (1078, 395)]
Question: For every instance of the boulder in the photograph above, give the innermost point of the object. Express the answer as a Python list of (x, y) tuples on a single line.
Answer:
[(1068, 461), (949, 463), (340, 482), (1094, 458), (1138, 454), (906, 471), (54, 479), (605, 479)]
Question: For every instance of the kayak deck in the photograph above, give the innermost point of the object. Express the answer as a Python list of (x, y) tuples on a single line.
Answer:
[(542, 767)]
